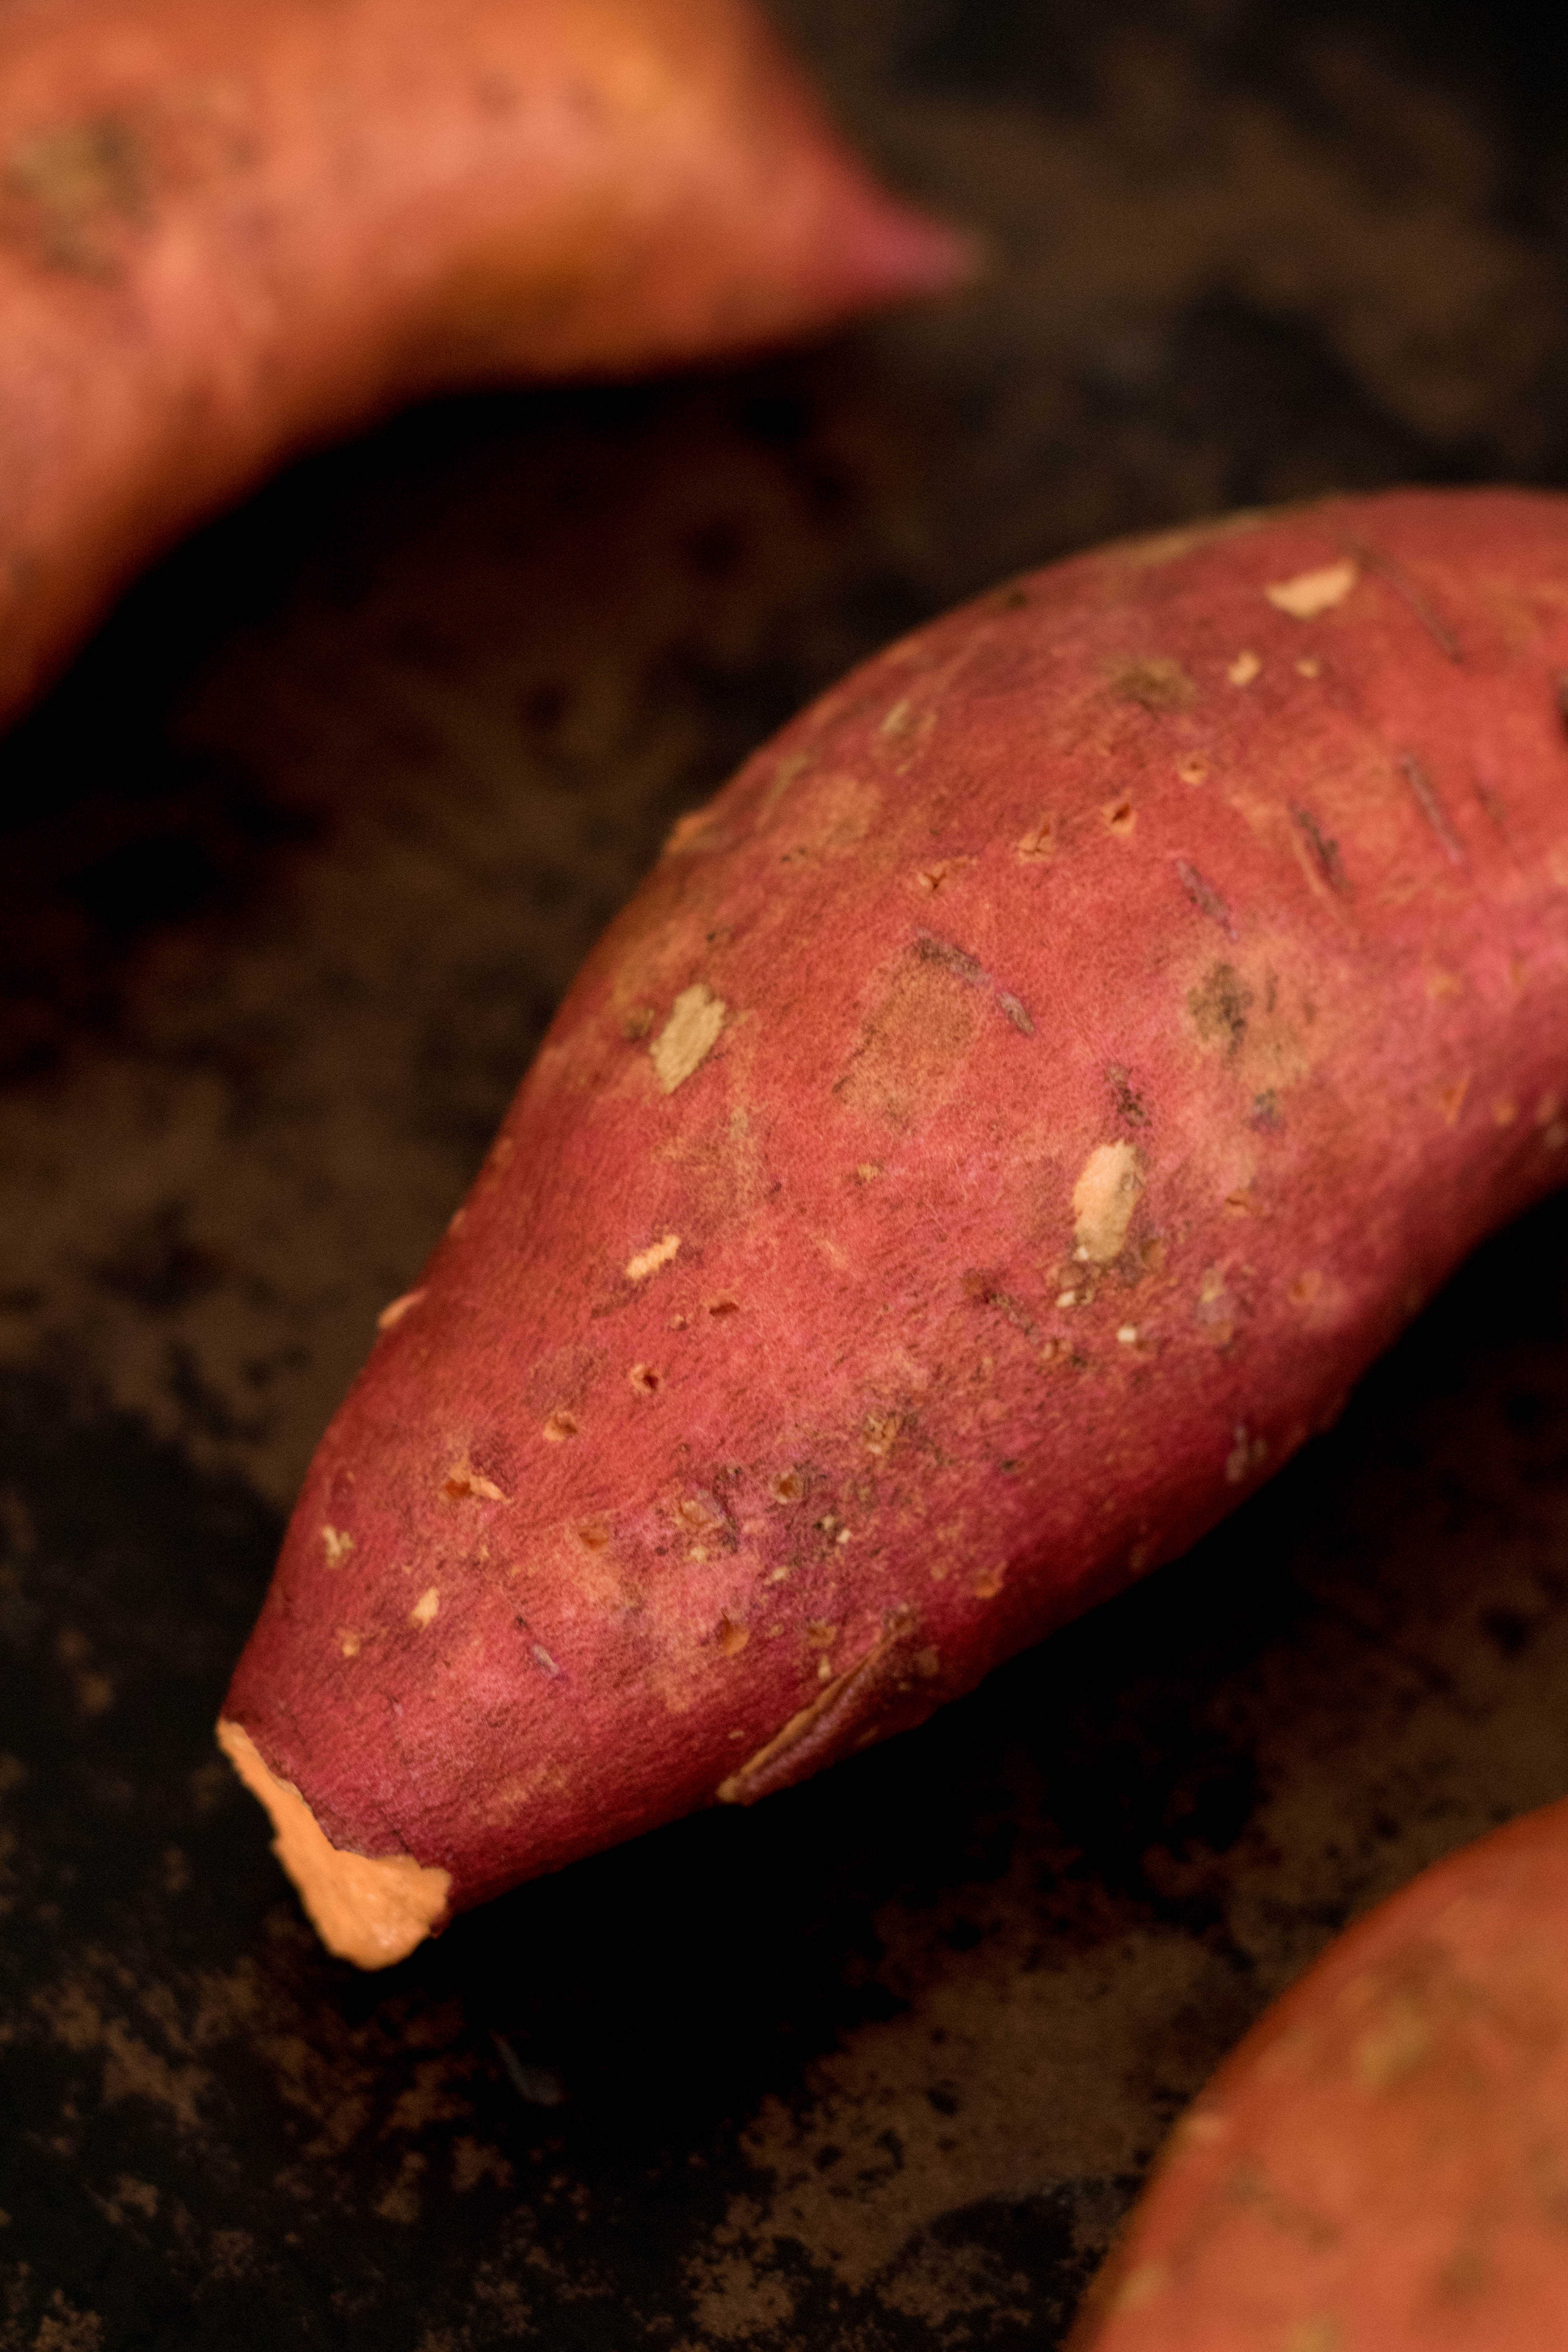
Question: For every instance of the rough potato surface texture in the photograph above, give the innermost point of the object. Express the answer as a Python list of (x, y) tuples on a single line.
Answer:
[(1383, 2165), (999, 1131), (229, 229)]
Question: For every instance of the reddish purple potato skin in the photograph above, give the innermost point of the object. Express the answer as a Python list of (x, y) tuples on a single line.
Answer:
[(1383, 2165), (232, 228), (995, 1137)]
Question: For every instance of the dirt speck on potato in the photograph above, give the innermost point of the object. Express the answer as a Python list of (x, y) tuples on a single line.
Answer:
[(1220, 1006)]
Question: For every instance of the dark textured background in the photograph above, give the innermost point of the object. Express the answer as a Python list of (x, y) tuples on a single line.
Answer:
[(292, 868)]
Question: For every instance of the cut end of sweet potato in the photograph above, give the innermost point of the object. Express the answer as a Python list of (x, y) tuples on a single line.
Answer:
[(370, 1909)]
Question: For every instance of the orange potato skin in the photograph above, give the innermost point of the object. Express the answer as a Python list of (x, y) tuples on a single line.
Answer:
[(1383, 2165), (998, 1133), (230, 228)]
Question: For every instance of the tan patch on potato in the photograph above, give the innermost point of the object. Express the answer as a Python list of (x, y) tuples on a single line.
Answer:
[(1156, 682), (1244, 669), (829, 815), (1103, 1199), (688, 1036), (913, 1044), (425, 1608), (1307, 593)]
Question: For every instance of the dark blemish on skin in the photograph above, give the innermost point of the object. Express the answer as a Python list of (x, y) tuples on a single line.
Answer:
[(1012, 600), (1431, 807), (74, 186), (1128, 1101), (1266, 1113), (1437, 628), (1492, 802), (1325, 850), (1220, 1007), (967, 967), (953, 959), (1205, 897), (985, 1290), (1157, 685), (852, 1707)]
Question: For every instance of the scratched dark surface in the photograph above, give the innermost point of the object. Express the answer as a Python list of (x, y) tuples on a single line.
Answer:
[(294, 865)]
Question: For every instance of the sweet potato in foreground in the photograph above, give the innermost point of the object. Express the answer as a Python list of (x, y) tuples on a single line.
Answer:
[(994, 1138), (231, 228), (1383, 2165)]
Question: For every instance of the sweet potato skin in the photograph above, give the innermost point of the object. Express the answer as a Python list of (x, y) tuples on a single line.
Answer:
[(230, 228), (1383, 2165), (1000, 1130)]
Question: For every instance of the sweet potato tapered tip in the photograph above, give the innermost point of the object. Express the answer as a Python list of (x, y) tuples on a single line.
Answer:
[(371, 1911), (996, 1135), (891, 252)]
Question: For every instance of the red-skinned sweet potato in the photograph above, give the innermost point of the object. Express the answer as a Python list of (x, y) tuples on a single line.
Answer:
[(998, 1134), (230, 228), (1383, 2164)]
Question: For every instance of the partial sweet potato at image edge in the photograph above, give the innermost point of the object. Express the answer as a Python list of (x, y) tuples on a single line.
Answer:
[(1383, 2165), (232, 228), (994, 1138)]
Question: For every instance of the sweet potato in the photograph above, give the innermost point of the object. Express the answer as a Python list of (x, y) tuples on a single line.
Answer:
[(1001, 1128), (230, 228), (1383, 2165)]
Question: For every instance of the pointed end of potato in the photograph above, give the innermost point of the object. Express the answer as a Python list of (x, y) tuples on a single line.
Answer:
[(371, 1910), (895, 252)]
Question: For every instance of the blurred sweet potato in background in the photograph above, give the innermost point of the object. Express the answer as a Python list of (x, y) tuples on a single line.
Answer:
[(228, 232)]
